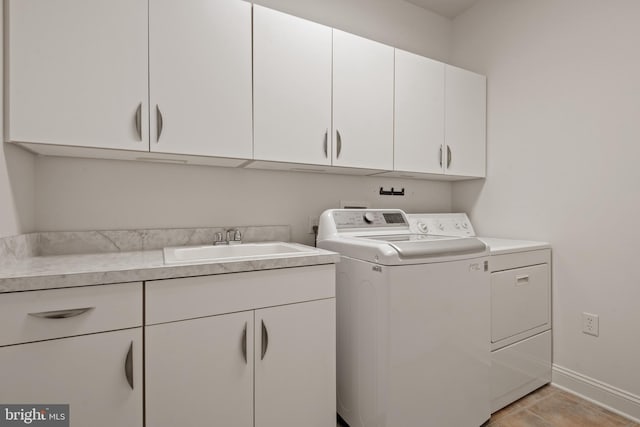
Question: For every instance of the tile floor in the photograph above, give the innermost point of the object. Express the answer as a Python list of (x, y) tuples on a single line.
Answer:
[(551, 407)]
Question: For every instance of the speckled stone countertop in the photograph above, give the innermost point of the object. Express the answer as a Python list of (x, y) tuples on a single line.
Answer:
[(31, 270)]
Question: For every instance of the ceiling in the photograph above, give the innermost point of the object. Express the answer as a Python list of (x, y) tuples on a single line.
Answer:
[(447, 8)]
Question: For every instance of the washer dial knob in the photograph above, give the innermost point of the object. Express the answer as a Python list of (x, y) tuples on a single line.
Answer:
[(369, 217), (422, 227)]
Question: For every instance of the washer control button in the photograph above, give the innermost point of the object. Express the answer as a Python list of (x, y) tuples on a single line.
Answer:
[(369, 217)]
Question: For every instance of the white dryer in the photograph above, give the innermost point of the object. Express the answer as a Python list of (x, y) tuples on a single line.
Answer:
[(413, 322), (520, 307)]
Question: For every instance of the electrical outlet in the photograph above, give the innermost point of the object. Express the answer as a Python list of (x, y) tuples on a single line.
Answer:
[(313, 222), (590, 324)]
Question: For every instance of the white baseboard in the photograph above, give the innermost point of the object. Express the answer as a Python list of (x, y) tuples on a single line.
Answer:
[(612, 398)]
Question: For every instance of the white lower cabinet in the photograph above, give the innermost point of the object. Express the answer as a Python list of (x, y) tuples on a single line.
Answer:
[(77, 346), (243, 349), (198, 372), (99, 376), (295, 381)]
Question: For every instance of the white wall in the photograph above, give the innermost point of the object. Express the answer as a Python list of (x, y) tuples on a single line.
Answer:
[(563, 154), (77, 194), (17, 200), (394, 22)]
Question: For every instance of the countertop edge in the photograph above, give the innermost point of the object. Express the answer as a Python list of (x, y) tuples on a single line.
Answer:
[(132, 275)]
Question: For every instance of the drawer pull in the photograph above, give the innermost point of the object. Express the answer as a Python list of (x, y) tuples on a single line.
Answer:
[(61, 314), (265, 340), (244, 343), (128, 366), (522, 280)]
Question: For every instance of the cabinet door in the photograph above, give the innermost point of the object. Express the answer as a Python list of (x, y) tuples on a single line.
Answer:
[(200, 372), (419, 114), (465, 122), (200, 77), (88, 372), (77, 73), (362, 102), (295, 378), (292, 88)]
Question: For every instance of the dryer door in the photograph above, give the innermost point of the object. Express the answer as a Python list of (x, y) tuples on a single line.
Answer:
[(519, 300)]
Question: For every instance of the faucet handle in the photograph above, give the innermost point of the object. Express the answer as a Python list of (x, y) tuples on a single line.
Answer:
[(218, 239), (234, 236)]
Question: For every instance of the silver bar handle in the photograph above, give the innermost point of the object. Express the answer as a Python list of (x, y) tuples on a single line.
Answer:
[(244, 343), (449, 156), (265, 340), (128, 366), (440, 155), (138, 121), (338, 143), (159, 122), (61, 314), (326, 143)]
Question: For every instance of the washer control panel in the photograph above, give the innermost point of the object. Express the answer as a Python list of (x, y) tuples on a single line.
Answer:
[(453, 224), (364, 218)]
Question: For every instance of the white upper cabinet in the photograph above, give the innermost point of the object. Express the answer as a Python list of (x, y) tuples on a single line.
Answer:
[(77, 73), (465, 122), (200, 77), (292, 88), (362, 102), (419, 114), (221, 82)]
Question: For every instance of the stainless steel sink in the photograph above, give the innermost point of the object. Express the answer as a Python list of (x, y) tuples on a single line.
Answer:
[(245, 251)]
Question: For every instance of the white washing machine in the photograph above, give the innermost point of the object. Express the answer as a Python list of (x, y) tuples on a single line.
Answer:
[(520, 307), (413, 322)]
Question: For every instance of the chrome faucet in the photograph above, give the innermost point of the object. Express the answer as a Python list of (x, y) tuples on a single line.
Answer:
[(233, 237)]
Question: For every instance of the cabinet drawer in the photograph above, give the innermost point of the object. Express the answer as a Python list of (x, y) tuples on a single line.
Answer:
[(520, 300), (41, 315), (188, 298)]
